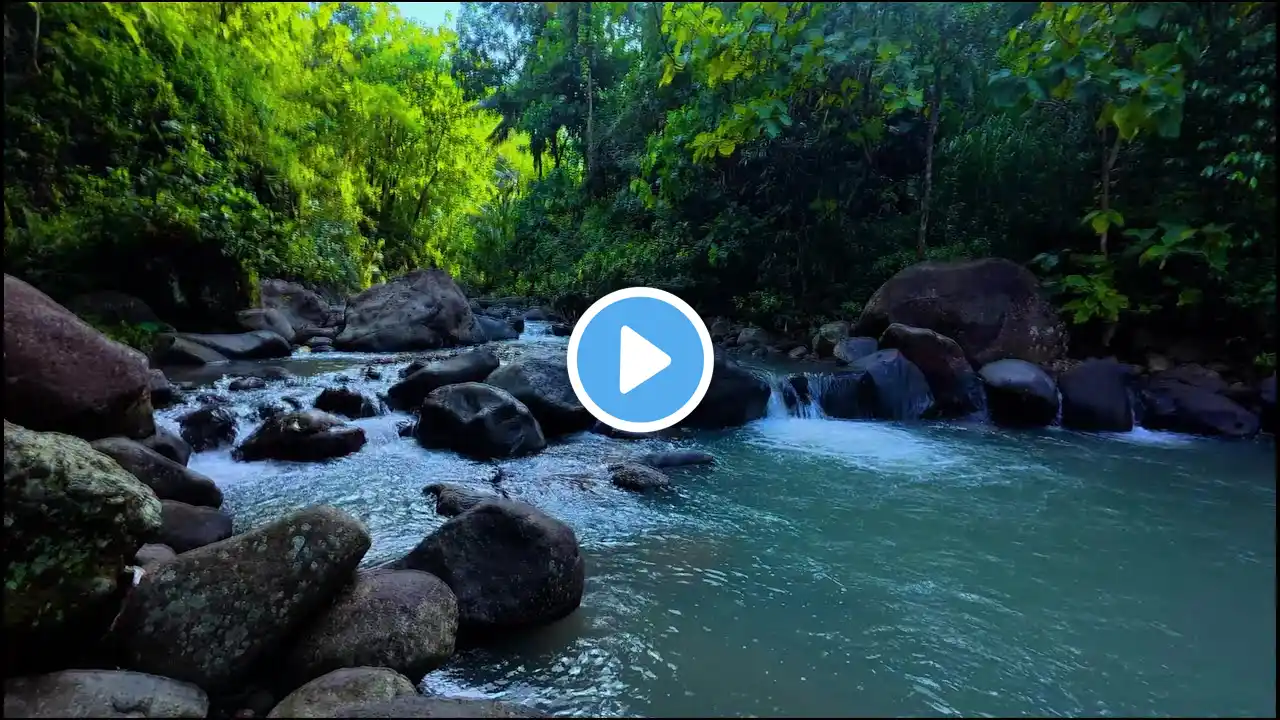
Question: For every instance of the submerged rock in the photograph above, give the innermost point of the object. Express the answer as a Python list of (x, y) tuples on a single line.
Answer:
[(304, 436), (166, 478), (102, 694), (675, 458), (323, 696), (208, 616), (472, 366), (634, 476), (405, 620), (187, 527), (479, 421), (346, 402), (542, 384), (1095, 396), (1019, 394), (510, 565), (421, 310), (246, 383), (208, 427)]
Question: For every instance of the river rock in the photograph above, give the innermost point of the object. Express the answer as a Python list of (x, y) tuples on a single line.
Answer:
[(472, 366), (300, 307), (957, 391), (754, 336), (1196, 376), (170, 349), (268, 319), (1019, 394), (102, 694), (851, 350), (675, 458), (991, 307), (798, 352), (454, 499), (419, 706), (542, 384), (479, 421), (166, 478), (421, 310), (1095, 396), (62, 375), (153, 554), (405, 620), (207, 428), (510, 565), (345, 402), (187, 527), (168, 445), (246, 383), (162, 393), (825, 340), (634, 476), (736, 396), (322, 696), (210, 615), (496, 329), (891, 387), (73, 519), (1172, 405), (304, 436), (252, 345)]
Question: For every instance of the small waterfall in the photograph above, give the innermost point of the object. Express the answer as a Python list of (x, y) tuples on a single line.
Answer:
[(787, 400), (536, 330)]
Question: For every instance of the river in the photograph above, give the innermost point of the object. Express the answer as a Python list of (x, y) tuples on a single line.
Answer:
[(837, 568)]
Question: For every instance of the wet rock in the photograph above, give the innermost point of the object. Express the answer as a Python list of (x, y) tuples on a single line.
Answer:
[(166, 478), (957, 391), (472, 366), (992, 308), (246, 383), (268, 319), (208, 427), (798, 352), (300, 306), (542, 384), (736, 396), (320, 344), (62, 375), (304, 436), (890, 387), (561, 329), (187, 527), (754, 336), (675, 458), (324, 695), (210, 398), (1196, 376), (73, 520), (1095, 396), (828, 336), (209, 616), (479, 421), (168, 445), (510, 565), (1019, 394), (371, 373), (102, 694), (421, 310), (1172, 405), (539, 314), (162, 393), (253, 345), (346, 402), (404, 428), (634, 476), (851, 350), (171, 349), (305, 335), (405, 620), (496, 329), (153, 554), (453, 499), (419, 706)]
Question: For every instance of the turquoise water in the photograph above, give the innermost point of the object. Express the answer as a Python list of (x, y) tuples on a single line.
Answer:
[(849, 568)]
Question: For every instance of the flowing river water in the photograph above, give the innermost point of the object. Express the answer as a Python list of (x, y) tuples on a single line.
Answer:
[(838, 568)]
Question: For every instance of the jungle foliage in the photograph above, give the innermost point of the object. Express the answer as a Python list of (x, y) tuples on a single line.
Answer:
[(772, 161)]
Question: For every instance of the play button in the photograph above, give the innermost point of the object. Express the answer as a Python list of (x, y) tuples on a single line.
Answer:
[(640, 359)]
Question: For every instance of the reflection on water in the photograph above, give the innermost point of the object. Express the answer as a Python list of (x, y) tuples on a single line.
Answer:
[(853, 568)]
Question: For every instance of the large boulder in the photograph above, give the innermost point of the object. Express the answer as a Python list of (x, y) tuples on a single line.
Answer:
[(102, 694), (252, 345), (211, 615), (1019, 394), (736, 396), (208, 427), (421, 310), (166, 478), (169, 445), (957, 391), (496, 328), (510, 565), (405, 620), (421, 378), (1169, 404), (187, 527), (478, 420), (824, 341), (345, 402), (61, 375), (322, 696), (268, 319), (299, 305), (73, 519), (992, 308), (162, 393), (542, 384), (421, 706), (851, 350), (891, 387), (304, 436), (171, 349), (1095, 396)]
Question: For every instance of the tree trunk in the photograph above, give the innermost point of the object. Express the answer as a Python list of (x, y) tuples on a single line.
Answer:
[(1108, 162), (935, 108)]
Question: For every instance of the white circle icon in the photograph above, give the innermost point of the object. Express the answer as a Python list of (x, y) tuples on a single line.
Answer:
[(640, 359)]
